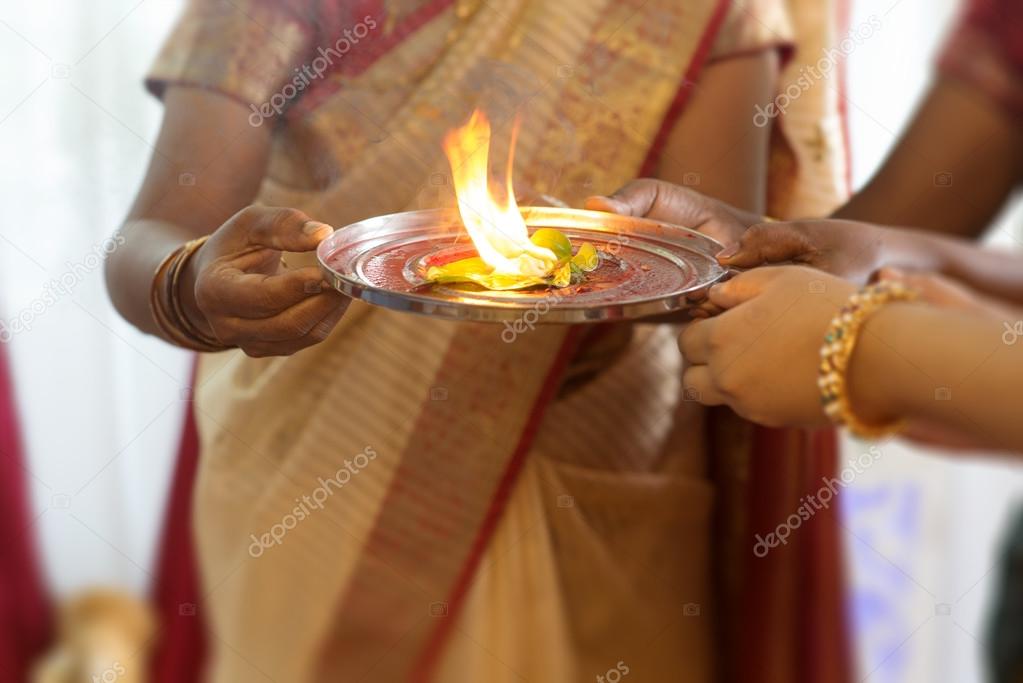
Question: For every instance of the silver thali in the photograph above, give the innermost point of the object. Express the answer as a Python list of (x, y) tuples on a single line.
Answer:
[(647, 267)]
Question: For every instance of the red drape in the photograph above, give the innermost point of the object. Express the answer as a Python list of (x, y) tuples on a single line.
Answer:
[(799, 587), (25, 615), (180, 648)]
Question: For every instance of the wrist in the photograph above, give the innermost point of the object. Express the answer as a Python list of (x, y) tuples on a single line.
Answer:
[(186, 295), (168, 307), (901, 247), (843, 341), (875, 371)]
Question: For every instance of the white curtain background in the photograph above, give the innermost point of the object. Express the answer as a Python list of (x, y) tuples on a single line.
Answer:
[(102, 404)]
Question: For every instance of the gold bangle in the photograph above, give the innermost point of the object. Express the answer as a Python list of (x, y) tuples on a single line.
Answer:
[(165, 302), (839, 342), (156, 306), (188, 327)]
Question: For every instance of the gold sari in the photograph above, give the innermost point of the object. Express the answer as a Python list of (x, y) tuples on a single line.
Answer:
[(504, 527)]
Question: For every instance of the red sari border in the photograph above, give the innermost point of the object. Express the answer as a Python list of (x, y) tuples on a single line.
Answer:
[(427, 663), (364, 55), (703, 49)]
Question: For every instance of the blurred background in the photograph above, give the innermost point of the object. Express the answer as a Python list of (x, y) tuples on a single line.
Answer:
[(101, 405)]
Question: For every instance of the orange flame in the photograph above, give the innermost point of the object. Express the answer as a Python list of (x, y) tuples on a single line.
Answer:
[(496, 228)]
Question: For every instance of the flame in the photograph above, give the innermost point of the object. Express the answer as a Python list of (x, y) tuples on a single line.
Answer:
[(496, 227)]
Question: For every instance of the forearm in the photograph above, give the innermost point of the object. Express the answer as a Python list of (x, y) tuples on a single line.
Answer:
[(207, 164), (131, 269), (996, 273), (916, 361), (952, 169), (157, 225)]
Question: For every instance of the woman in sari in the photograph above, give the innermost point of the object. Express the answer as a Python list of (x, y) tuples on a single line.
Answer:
[(414, 498)]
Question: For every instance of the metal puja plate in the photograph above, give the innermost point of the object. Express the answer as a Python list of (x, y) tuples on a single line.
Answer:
[(646, 267)]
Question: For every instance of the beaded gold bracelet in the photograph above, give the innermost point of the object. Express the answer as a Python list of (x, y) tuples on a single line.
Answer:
[(165, 302), (839, 342)]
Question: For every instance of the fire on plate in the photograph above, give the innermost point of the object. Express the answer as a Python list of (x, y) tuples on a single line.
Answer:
[(508, 256)]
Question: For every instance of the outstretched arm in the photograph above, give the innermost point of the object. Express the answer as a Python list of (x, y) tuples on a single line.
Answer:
[(206, 168), (950, 368), (856, 250), (207, 164), (912, 360), (951, 171)]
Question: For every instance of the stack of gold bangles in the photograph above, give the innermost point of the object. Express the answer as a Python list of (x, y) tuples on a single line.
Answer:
[(165, 301), (839, 342)]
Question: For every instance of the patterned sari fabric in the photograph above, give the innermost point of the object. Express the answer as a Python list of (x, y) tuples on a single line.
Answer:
[(421, 499), (986, 50)]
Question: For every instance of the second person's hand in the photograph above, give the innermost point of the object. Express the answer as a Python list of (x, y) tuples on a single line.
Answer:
[(664, 201)]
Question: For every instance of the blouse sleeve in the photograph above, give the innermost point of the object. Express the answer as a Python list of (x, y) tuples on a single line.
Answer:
[(986, 50), (754, 25), (249, 50)]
